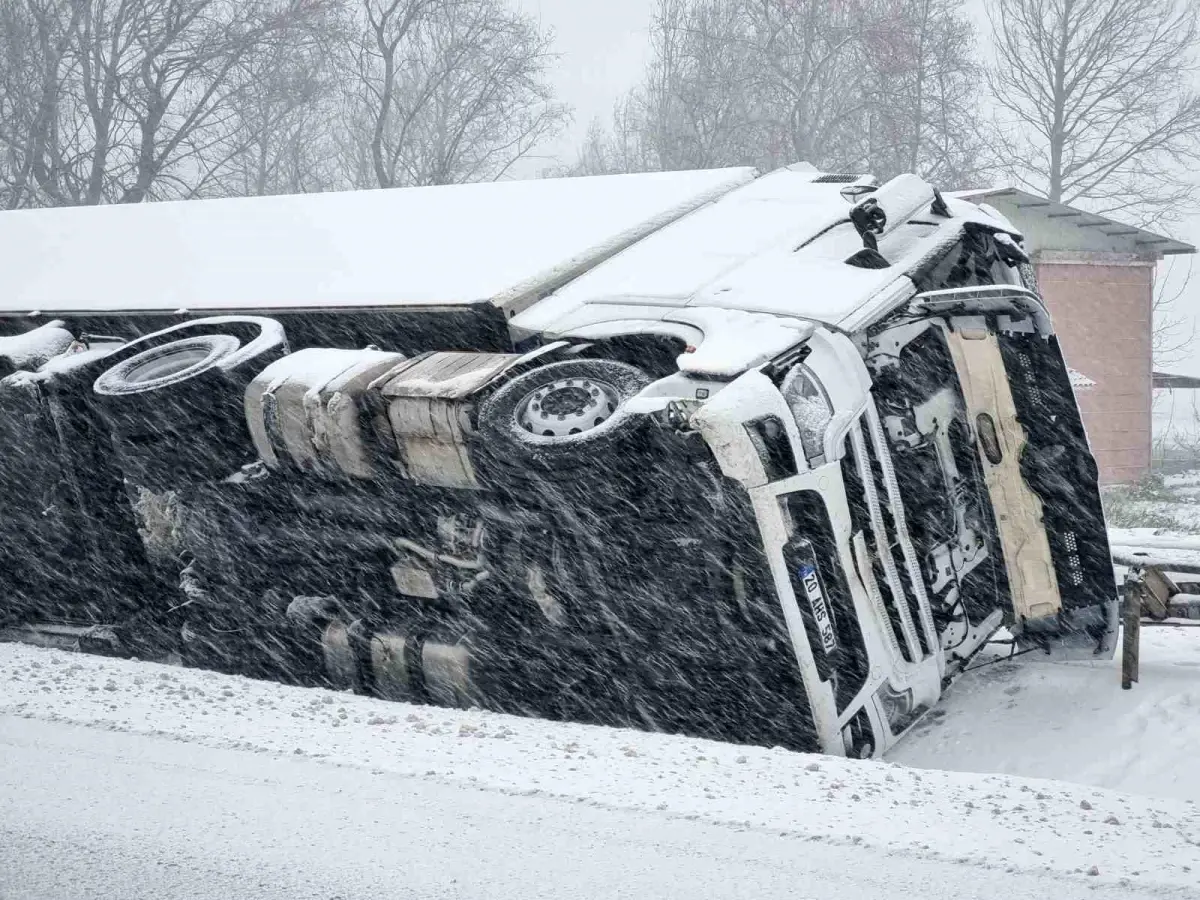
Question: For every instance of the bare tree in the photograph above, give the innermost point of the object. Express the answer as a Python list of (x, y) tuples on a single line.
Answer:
[(857, 85), (287, 116), (1097, 101), (811, 55), (1174, 331), (124, 100), (616, 149), (751, 81), (281, 143), (447, 91), (922, 91), (698, 99), (193, 62), (693, 108), (37, 40)]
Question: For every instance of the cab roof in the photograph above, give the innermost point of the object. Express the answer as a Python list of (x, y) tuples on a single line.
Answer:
[(782, 245)]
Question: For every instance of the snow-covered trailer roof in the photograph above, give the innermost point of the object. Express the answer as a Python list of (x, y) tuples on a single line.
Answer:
[(503, 242)]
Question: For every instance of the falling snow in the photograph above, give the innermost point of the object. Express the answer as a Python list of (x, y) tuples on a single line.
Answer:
[(431, 540)]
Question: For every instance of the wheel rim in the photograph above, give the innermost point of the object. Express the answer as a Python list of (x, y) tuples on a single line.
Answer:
[(567, 407), (167, 363)]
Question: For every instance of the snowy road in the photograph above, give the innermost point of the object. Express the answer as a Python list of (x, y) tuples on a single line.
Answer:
[(99, 814), (126, 780)]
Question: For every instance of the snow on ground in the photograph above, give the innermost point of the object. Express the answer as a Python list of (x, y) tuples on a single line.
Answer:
[(1072, 721), (87, 814), (1006, 824), (1169, 505)]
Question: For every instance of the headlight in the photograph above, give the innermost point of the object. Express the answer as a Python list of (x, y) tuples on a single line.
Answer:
[(810, 408)]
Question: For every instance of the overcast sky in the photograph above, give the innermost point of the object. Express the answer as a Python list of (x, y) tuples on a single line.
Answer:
[(602, 44)]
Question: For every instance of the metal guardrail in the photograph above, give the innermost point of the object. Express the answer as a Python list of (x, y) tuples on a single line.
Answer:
[(1122, 557), (1150, 591), (1149, 551), (1156, 542), (1150, 595)]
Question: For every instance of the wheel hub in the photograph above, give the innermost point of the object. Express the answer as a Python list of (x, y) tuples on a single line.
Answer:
[(567, 407), (168, 363)]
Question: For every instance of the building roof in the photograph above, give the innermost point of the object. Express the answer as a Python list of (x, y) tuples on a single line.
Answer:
[(1079, 381), (1072, 227), (1166, 380)]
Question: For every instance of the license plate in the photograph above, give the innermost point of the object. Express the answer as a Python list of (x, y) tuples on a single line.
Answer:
[(820, 609)]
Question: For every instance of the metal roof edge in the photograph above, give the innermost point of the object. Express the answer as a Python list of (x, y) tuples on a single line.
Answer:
[(1165, 380), (521, 296), (1025, 200)]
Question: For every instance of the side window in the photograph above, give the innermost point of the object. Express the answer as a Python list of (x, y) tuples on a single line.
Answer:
[(971, 262)]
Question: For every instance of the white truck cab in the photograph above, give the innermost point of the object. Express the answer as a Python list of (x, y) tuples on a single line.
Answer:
[(759, 458)]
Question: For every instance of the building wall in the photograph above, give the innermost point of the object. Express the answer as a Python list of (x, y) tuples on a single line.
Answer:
[(1101, 306)]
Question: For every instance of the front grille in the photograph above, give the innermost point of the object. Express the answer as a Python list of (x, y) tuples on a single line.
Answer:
[(891, 538), (860, 519)]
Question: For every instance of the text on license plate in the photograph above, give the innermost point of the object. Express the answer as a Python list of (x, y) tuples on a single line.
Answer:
[(820, 609)]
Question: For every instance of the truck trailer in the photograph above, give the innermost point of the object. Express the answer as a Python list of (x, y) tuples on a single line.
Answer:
[(764, 458)]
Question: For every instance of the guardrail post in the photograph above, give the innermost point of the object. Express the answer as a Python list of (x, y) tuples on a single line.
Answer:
[(1132, 630)]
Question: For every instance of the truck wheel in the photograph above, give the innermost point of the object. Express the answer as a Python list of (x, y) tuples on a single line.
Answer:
[(562, 415), (167, 365), (174, 404)]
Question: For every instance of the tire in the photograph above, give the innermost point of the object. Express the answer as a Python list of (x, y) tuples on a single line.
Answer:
[(173, 400), (563, 416), (166, 365)]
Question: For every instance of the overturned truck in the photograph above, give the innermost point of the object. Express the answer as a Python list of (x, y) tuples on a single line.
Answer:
[(758, 458)]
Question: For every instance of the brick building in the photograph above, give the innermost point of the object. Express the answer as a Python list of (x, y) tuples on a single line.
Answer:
[(1097, 277)]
